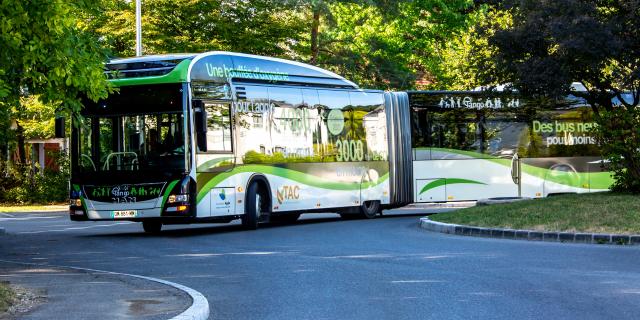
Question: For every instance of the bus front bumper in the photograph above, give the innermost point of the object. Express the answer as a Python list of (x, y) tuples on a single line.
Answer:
[(132, 215)]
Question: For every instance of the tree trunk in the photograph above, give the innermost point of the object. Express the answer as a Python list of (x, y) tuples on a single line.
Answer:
[(315, 26), (22, 158)]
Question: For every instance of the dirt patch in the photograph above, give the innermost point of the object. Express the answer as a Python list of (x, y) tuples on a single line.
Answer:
[(22, 302)]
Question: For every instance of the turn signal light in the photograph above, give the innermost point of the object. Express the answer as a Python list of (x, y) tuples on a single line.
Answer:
[(182, 208)]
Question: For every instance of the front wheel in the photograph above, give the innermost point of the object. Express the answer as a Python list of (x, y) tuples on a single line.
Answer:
[(152, 226), (255, 207)]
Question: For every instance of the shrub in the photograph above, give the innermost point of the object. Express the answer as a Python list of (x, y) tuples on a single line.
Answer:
[(24, 184), (619, 135)]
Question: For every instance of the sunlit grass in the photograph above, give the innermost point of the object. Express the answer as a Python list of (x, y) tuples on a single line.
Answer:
[(33, 208), (605, 212)]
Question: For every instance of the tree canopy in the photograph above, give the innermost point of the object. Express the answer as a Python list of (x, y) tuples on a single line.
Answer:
[(382, 44), (45, 54)]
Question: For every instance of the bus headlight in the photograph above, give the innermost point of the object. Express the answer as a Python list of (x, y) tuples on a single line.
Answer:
[(178, 198)]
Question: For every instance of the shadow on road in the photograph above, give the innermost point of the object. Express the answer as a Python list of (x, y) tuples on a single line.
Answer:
[(195, 230)]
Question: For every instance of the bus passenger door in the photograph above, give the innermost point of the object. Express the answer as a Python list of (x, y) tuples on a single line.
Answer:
[(215, 156)]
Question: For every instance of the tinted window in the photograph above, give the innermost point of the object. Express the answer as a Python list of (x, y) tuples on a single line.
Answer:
[(138, 100), (310, 125), (449, 126), (218, 127)]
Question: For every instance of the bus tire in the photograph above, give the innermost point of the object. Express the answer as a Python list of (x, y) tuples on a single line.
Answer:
[(370, 209), (254, 206), (152, 226)]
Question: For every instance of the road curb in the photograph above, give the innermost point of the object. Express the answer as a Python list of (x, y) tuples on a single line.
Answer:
[(531, 235), (199, 309)]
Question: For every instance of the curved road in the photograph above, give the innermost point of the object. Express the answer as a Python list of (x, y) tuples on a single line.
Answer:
[(326, 268)]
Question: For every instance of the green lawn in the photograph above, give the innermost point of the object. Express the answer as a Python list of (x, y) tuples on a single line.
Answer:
[(7, 297), (605, 212), (32, 208)]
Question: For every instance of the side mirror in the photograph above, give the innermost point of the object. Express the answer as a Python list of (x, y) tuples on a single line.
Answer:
[(60, 129), (201, 124)]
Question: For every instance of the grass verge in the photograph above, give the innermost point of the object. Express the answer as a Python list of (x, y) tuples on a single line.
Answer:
[(33, 208), (7, 297), (605, 212)]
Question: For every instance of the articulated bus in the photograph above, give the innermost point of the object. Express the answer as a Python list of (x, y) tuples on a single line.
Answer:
[(220, 136)]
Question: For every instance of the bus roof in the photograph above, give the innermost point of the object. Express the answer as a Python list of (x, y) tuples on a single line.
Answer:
[(219, 66)]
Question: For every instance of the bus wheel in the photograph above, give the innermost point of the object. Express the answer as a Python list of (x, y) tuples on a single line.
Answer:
[(152, 226), (254, 207), (370, 209)]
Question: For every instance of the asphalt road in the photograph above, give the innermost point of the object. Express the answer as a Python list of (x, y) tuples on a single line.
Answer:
[(326, 268)]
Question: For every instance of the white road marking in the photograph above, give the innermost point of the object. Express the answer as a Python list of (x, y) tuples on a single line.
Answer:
[(417, 281), (6, 215), (78, 228), (199, 309)]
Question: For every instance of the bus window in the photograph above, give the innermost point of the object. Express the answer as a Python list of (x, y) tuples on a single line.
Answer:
[(334, 99), (465, 133), (218, 127), (310, 98), (565, 132)]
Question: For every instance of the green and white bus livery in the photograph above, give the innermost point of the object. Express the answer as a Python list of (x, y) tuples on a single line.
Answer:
[(219, 136), (476, 145)]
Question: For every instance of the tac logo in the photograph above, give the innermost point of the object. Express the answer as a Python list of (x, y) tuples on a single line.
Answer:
[(288, 193), (222, 195), (120, 191)]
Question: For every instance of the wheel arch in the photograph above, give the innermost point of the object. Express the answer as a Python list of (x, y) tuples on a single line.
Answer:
[(262, 182)]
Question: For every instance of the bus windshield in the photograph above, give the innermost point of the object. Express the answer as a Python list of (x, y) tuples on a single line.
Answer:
[(136, 129)]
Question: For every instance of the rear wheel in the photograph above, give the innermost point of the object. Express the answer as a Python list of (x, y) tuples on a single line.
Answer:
[(370, 209), (255, 207), (152, 226)]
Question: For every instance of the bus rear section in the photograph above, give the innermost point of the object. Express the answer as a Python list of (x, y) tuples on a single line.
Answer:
[(478, 145)]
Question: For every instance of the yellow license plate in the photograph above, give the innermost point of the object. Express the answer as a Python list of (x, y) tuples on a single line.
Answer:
[(124, 214)]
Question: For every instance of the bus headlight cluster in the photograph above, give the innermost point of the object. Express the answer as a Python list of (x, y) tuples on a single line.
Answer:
[(75, 202), (178, 198)]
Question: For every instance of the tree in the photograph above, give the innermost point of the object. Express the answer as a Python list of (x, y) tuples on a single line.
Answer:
[(386, 44), (554, 43), (44, 53), (466, 55), (256, 26), (377, 43)]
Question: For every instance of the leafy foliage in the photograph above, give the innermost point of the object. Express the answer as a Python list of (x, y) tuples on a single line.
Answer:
[(23, 184), (377, 43), (44, 53), (389, 45), (36, 118), (467, 56), (257, 26), (619, 133)]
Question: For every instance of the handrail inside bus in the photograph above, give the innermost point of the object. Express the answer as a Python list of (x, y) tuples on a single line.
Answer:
[(118, 154)]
